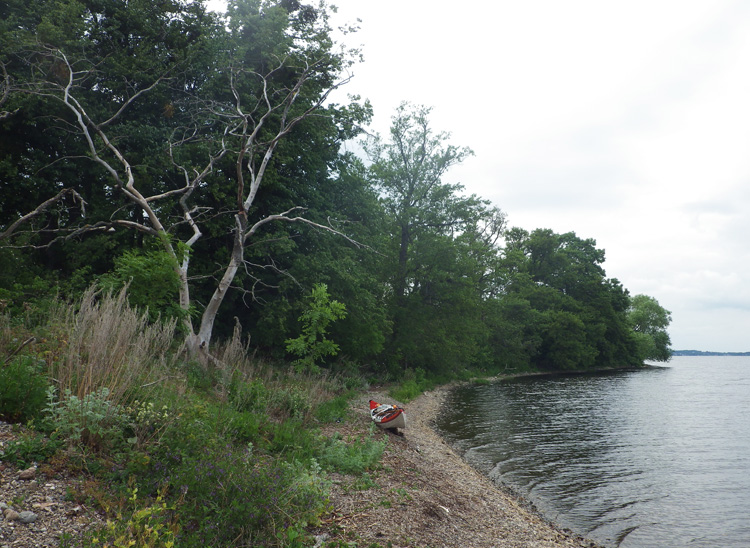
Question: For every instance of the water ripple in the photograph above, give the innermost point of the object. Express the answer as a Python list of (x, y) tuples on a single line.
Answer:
[(654, 458)]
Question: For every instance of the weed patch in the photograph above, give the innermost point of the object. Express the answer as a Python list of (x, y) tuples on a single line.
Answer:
[(354, 457), (23, 385)]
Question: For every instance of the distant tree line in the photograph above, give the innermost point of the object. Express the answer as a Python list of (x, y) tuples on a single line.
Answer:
[(198, 158)]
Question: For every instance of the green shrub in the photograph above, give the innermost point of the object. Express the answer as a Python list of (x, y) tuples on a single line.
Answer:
[(199, 378), (406, 391), (147, 525), (354, 457), (335, 409), (291, 401), (248, 396), (312, 346), (246, 426), (292, 441), (415, 382), (30, 300), (30, 447), (152, 282), (364, 482), (148, 421), (231, 498), (23, 388), (91, 421), (195, 430)]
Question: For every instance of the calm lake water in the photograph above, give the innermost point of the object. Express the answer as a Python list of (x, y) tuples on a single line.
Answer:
[(658, 458)]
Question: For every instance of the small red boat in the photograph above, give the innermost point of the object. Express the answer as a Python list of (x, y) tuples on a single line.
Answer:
[(387, 416)]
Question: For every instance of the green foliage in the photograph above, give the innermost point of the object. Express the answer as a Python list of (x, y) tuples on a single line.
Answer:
[(364, 482), (23, 388), (567, 314), (291, 401), (147, 524), (406, 391), (147, 421), (649, 321), (92, 421), (312, 345), (31, 447), (440, 248), (29, 301), (335, 409), (248, 395), (199, 377), (353, 456), (230, 497), (413, 384), (152, 282), (291, 440), (247, 427)]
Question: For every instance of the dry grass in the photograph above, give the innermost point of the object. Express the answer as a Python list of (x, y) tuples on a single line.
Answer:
[(109, 344)]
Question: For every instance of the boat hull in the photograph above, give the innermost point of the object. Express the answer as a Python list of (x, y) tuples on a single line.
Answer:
[(386, 416)]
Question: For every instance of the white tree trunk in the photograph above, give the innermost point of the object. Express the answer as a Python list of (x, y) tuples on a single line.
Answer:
[(209, 314)]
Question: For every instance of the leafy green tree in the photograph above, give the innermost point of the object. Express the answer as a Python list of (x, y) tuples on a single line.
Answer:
[(579, 319), (151, 280), (165, 122), (312, 345), (649, 320), (408, 171), (434, 265)]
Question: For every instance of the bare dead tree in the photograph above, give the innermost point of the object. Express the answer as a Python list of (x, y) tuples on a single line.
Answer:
[(273, 115), (252, 161)]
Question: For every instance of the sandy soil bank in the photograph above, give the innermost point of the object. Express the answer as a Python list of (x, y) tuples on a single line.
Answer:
[(426, 495)]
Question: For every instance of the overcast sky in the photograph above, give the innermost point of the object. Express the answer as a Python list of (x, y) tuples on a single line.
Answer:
[(626, 122)]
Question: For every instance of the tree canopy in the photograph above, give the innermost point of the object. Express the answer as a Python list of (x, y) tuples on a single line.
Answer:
[(197, 159)]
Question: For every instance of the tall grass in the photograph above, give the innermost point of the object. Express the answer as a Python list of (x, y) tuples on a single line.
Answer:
[(109, 345), (248, 381)]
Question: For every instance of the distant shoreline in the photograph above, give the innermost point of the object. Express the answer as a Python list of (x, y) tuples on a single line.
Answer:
[(707, 353)]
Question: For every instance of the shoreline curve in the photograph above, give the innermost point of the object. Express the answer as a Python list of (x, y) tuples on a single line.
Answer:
[(426, 494)]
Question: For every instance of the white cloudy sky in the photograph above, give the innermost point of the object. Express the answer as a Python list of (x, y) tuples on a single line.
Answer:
[(626, 122)]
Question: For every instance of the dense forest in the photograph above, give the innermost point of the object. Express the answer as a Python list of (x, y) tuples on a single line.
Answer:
[(198, 159)]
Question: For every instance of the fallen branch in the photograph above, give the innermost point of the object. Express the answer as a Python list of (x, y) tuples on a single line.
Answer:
[(17, 350)]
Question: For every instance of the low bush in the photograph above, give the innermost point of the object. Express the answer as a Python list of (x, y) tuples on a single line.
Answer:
[(335, 409), (200, 378), (292, 441), (354, 457), (292, 401), (248, 395), (92, 421), (232, 498), (30, 447), (23, 388), (147, 524), (414, 383), (246, 427)]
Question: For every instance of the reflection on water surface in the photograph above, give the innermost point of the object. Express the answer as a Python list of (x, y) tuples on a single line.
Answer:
[(653, 458)]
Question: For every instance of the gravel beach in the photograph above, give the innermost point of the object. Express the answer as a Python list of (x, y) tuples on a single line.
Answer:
[(427, 495)]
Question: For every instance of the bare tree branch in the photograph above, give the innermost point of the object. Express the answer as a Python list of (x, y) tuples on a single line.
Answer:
[(5, 93), (285, 217), (66, 192)]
